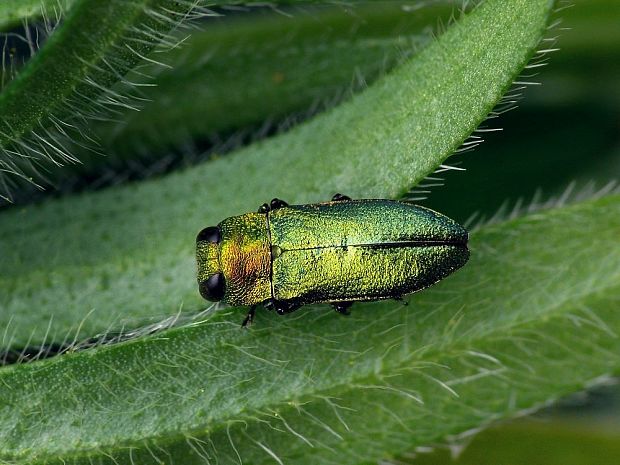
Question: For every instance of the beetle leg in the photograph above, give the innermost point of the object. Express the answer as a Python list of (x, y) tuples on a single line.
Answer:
[(340, 198), (273, 205), (342, 307), (249, 318), (277, 203)]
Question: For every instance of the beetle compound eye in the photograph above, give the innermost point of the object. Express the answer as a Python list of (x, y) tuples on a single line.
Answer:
[(213, 288), (210, 234)]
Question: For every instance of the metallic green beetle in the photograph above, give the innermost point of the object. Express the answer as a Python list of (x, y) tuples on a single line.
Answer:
[(285, 256)]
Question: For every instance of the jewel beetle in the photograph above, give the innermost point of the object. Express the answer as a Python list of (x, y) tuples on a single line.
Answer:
[(339, 252)]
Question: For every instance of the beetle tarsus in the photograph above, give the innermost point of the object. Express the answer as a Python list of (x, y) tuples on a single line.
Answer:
[(277, 203), (273, 205), (340, 198), (249, 318), (401, 300), (282, 307), (343, 307)]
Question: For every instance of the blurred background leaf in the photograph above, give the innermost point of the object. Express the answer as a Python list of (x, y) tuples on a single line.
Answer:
[(12, 12)]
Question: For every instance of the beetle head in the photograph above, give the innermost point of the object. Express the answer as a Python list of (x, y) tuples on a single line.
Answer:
[(211, 280), (234, 262)]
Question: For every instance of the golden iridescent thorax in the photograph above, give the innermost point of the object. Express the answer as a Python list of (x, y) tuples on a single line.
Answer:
[(336, 252)]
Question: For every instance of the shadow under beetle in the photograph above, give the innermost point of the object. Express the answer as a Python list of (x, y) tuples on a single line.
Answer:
[(285, 256)]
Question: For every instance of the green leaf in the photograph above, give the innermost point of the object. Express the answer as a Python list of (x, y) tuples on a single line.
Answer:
[(130, 252), (95, 46), (245, 71), (533, 316)]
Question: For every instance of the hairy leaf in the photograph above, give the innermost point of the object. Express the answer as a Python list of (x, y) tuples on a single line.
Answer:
[(249, 77), (96, 45)]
